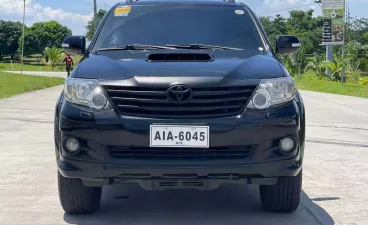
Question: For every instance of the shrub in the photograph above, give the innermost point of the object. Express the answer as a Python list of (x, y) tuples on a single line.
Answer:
[(364, 81), (55, 56)]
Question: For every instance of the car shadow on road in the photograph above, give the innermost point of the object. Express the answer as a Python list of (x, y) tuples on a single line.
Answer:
[(230, 204)]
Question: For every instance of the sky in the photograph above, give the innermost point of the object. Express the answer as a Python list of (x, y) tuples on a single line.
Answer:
[(76, 13)]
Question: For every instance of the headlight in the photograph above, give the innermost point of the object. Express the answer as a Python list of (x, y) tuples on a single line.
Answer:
[(272, 92), (86, 92)]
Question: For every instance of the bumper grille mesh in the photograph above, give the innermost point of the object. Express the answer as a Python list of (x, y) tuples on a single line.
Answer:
[(148, 153)]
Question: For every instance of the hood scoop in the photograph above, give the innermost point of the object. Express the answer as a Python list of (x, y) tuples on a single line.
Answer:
[(180, 57)]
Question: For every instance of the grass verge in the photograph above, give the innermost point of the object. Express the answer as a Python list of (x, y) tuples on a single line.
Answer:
[(13, 84), (311, 83), (34, 63), (29, 67)]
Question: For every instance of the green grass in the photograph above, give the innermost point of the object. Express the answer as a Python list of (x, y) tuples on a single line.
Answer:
[(34, 63), (29, 67), (310, 82), (13, 84)]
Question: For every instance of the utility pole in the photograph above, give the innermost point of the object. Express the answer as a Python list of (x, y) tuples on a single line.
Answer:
[(95, 19), (329, 57), (24, 19), (346, 13)]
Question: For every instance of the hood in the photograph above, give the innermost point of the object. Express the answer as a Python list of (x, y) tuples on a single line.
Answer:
[(120, 65)]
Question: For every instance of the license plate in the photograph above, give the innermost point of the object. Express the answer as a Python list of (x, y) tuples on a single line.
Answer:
[(179, 136)]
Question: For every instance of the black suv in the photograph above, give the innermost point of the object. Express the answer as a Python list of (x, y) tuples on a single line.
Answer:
[(176, 95)]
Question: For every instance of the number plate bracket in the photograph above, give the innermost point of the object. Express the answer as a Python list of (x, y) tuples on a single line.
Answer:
[(184, 136)]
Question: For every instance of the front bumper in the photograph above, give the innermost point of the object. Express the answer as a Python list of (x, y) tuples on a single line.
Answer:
[(104, 174), (97, 131)]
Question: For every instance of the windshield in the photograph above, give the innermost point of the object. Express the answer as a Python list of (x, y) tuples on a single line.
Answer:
[(163, 25)]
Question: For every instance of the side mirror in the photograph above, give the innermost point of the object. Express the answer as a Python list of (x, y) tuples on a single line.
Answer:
[(75, 45), (287, 44)]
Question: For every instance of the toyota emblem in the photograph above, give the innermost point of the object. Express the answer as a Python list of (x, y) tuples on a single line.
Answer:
[(179, 93)]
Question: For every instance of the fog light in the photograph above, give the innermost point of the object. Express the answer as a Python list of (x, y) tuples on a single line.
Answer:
[(287, 145), (71, 145)]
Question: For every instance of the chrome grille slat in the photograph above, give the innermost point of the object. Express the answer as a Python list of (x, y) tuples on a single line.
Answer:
[(159, 93), (201, 93), (207, 102), (203, 108)]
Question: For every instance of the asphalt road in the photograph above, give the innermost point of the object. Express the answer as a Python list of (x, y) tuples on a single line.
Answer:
[(335, 174)]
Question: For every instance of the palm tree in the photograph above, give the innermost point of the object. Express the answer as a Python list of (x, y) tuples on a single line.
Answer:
[(314, 64), (300, 60), (296, 63), (335, 67), (55, 56), (290, 65)]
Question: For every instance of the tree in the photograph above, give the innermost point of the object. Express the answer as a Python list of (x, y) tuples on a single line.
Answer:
[(32, 43), (273, 27), (335, 66), (365, 35), (55, 55), (353, 49), (289, 63), (307, 28), (357, 28), (44, 34), (300, 23), (301, 60), (314, 64), (10, 32), (91, 24)]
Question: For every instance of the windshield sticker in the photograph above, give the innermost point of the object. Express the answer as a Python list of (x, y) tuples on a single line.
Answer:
[(122, 11), (239, 12)]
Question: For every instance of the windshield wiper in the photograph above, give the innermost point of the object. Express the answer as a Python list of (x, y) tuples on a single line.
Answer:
[(136, 47), (202, 46)]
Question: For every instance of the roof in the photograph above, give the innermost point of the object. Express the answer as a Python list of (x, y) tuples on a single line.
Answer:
[(183, 2)]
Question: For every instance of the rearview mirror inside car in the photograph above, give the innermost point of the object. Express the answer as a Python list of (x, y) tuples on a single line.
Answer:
[(75, 45), (287, 44)]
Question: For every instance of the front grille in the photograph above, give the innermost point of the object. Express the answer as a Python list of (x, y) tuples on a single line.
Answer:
[(207, 102), (148, 153)]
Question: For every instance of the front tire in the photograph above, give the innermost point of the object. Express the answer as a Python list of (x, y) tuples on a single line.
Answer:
[(284, 196), (76, 198)]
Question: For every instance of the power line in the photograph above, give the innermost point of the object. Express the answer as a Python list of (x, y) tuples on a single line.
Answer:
[(286, 9)]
